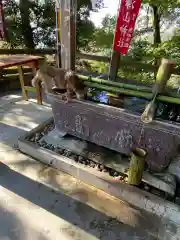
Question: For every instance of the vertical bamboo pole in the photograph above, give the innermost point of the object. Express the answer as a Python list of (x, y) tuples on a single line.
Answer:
[(136, 166), (163, 75)]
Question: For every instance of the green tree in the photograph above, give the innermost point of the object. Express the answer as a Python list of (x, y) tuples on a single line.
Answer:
[(161, 11), (31, 23), (104, 35), (85, 27), (27, 31)]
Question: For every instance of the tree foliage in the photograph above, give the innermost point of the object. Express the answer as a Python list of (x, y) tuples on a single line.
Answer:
[(31, 23)]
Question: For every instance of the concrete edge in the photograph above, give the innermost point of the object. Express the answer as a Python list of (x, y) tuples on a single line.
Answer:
[(132, 195), (146, 176)]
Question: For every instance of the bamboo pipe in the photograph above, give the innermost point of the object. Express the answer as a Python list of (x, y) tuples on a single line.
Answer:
[(149, 112), (134, 93), (163, 75), (136, 166)]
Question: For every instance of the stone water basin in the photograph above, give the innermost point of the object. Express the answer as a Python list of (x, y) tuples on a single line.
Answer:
[(117, 129)]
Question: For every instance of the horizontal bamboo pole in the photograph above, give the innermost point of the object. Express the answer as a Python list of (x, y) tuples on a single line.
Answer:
[(119, 90), (136, 166), (115, 84), (123, 85), (134, 93)]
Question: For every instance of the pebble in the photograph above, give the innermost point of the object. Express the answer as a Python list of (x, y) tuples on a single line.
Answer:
[(105, 170), (116, 174), (56, 150), (101, 167), (81, 159), (92, 164), (40, 144), (156, 192), (61, 151), (67, 153), (52, 147), (32, 139), (86, 162), (146, 187), (111, 172), (96, 167), (44, 145), (74, 157), (177, 200), (37, 137)]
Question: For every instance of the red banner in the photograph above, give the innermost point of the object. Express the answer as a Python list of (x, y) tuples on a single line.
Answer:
[(126, 20), (2, 23)]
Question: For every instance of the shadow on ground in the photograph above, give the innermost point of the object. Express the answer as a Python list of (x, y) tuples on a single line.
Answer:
[(75, 212), (12, 228)]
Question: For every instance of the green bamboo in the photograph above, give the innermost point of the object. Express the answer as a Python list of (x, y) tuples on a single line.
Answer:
[(123, 85), (128, 92), (136, 166), (163, 75), (134, 93), (149, 112), (114, 84)]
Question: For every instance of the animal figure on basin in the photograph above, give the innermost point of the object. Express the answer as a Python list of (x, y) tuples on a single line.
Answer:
[(58, 79)]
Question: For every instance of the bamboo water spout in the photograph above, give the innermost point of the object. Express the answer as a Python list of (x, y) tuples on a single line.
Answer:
[(136, 166), (163, 75)]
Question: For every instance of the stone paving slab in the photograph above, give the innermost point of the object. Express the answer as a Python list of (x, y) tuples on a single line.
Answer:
[(18, 117)]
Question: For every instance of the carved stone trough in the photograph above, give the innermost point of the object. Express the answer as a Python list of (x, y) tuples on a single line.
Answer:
[(117, 129)]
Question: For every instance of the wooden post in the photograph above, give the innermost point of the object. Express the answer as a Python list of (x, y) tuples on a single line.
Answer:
[(68, 33), (58, 34), (38, 88), (114, 65), (21, 78), (136, 166)]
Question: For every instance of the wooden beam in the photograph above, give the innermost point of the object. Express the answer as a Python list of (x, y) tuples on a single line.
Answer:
[(30, 89), (114, 65), (68, 33), (21, 78)]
